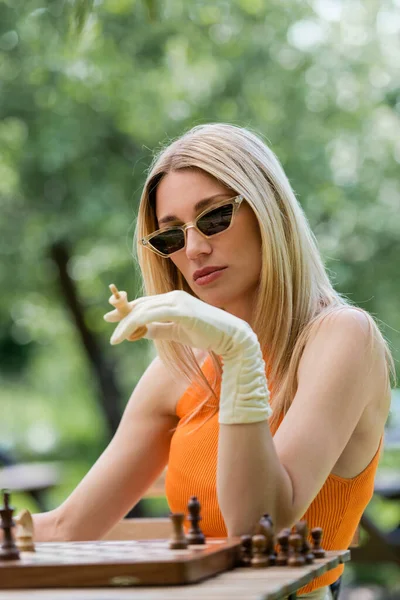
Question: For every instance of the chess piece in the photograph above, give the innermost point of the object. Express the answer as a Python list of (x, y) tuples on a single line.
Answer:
[(195, 535), (120, 301), (267, 517), (283, 554), (9, 550), (24, 532), (259, 545), (265, 528), (301, 528), (296, 559), (178, 540), (317, 550), (246, 553)]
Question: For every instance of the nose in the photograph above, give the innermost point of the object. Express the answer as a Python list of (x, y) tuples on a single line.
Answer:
[(196, 244)]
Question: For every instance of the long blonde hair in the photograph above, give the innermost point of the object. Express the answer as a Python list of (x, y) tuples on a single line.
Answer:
[(295, 292)]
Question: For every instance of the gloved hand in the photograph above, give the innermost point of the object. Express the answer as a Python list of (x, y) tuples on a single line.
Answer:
[(179, 317)]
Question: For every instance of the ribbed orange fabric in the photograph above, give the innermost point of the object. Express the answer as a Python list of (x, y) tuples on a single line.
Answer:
[(192, 471)]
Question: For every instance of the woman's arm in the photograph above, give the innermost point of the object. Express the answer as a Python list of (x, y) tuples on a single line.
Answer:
[(134, 458), (338, 377)]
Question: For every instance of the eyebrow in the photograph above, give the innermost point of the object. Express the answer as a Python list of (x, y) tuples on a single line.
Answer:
[(201, 204)]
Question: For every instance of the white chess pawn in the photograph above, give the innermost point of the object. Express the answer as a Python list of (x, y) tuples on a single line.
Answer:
[(24, 532), (119, 300)]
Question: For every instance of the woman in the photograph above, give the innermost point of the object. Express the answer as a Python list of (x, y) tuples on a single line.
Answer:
[(233, 277)]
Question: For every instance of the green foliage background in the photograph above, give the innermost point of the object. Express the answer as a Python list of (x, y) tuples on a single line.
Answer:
[(90, 89)]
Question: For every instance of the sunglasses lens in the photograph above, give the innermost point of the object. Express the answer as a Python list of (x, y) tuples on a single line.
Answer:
[(169, 241), (216, 220)]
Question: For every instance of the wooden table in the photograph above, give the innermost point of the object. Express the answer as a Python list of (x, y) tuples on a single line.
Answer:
[(272, 583)]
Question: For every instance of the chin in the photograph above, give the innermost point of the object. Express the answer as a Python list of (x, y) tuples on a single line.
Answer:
[(215, 299)]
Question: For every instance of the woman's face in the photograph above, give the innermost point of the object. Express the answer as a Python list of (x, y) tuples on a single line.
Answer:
[(236, 253)]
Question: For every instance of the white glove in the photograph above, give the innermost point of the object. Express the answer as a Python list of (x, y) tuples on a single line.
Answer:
[(179, 317)]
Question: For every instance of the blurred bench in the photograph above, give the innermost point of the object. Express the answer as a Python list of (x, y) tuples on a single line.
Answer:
[(34, 479), (156, 490), (381, 546), (384, 546)]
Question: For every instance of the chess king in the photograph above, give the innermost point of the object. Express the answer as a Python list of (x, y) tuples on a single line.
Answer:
[(270, 391)]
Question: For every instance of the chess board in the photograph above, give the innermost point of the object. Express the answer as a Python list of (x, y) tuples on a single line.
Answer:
[(117, 563)]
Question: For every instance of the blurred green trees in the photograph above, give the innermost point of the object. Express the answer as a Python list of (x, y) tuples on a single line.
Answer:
[(90, 89)]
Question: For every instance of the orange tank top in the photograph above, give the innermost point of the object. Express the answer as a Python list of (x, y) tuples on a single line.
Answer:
[(192, 471)]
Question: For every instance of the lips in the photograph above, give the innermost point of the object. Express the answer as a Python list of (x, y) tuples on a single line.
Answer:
[(206, 271)]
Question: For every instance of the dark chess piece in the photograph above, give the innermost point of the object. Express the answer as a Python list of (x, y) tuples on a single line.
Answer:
[(195, 535), (283, 554), (9, 550), (265, 527), (296, 559), (245, 548), (301, 528), (178, 540), (259, 544), (267, 517), (317, 550)]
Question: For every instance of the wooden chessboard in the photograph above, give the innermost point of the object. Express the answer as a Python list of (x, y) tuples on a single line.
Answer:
[(117, 563)]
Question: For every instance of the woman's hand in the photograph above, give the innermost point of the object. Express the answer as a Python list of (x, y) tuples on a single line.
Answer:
[(179, 317)]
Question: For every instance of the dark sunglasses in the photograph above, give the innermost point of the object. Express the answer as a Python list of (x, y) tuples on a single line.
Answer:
[(212, 221)]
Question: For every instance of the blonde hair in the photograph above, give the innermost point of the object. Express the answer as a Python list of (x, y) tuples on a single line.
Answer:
[(295, 292)]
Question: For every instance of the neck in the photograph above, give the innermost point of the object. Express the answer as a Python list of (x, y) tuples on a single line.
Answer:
[(242, 310)]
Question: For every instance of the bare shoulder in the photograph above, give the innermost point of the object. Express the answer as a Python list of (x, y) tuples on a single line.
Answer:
[(351, 341), (348, 329), (346, 321)]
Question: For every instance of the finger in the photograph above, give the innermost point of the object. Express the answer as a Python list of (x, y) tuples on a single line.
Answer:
[(113, 316), (127, 329), (138, 334), (159, 309), (114, 301), (162, 331), (155, 310)]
